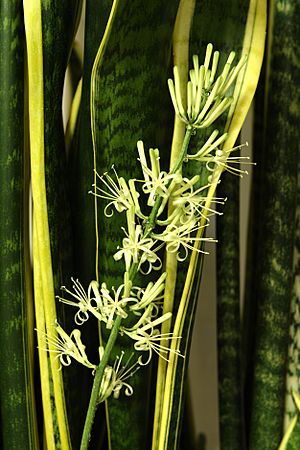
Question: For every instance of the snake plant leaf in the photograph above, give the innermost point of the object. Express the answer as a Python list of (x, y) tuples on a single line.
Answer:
[(81, 163), (228, 317), (291, 430), (45, 86), (17, 397), (292, 375), (188, 436), (290, 440), (75, 67), (59, 24), (278, 151), (136, 60), (252, 37)]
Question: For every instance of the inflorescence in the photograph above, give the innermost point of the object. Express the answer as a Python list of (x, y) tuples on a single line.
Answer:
[(208, 96)]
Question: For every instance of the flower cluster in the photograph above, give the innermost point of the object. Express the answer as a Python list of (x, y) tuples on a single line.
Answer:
[(207, 96), (150, 228), (143, 304)]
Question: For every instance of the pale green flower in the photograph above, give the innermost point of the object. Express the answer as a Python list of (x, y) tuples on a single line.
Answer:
[(114, 304), (211, 144), (149, 339), (114, 378), (211, 154), (85, 302), (68, 347), (99, 302), (223, 160), (177, 237), (156, 182), (116, 191), (136, 248), (150, 294), (193, 205)]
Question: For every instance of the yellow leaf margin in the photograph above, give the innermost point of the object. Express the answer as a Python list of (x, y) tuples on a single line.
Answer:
[(42, 263), (253, 47)]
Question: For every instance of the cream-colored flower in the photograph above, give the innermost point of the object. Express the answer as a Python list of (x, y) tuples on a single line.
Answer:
[(213, 156), (136, 248), (68, 347), (149, 339), (116, 191), (156, 182), (114, 379), (85, 302), (150, 294), (193, 205), (222, 159), (115, 304), (211, 144), (177, 237)]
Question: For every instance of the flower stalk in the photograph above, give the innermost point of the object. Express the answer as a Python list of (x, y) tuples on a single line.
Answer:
[(118, 320), (97, 383)]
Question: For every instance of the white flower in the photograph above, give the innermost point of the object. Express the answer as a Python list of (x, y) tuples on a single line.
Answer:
[(68, 347), (192, 205), (151, 294), (184, 187), (213, 156), (148, 338), (114, 305), (156, 182), (83, 301), (180, 236), (206, 97), (136, 248), (114, 378), (117, 192), (103, 305), (210, 145), (222, 159)]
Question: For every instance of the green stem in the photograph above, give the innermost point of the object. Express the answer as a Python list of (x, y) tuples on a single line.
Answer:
[(183, 151), (116, 326), (152, 218), (97, 384)]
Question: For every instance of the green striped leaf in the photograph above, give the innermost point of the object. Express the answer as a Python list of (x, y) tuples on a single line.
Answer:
[(59, 23), (293, 372), (277, 151), (17, 400), (140, 66), (55, 419), (81, 161), (228, 317), (81, 166), (181, 38)]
